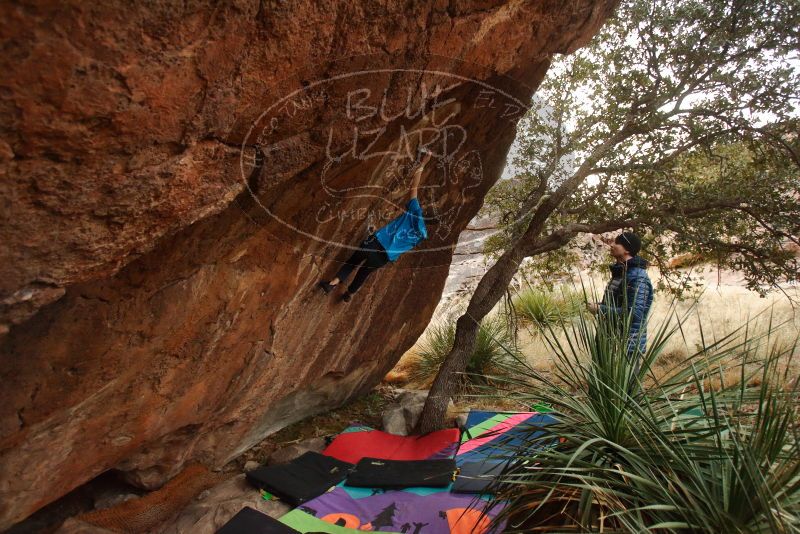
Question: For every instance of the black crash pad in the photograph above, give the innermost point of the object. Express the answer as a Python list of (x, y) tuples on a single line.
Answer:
[(302, 479), (250, 521), (377, 473)]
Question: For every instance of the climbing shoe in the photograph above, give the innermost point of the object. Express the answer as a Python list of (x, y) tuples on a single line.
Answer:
[(346, 296), (326, 287)]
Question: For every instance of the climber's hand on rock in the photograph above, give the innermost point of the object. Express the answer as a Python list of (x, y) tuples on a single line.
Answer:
[(426, 158)]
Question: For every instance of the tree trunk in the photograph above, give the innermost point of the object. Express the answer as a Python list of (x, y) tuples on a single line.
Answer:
[(493, 286), (490, 290)]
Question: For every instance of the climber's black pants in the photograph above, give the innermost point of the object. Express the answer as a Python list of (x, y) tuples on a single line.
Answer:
[(371, 253)]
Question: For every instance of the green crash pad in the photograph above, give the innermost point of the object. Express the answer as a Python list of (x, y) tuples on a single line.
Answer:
[(304, 522)]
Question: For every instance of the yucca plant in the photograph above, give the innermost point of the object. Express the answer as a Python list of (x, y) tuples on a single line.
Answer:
[(541, 307), (670, 458), (743, 477), (495, 353)]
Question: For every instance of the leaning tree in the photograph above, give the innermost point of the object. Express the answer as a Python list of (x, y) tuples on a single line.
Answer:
[(680, 120)]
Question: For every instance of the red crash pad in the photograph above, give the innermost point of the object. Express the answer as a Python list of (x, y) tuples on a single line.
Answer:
[(353, 446)]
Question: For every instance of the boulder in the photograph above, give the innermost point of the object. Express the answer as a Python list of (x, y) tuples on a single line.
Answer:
[(214, 507), (157, 296), (290, 452), (401, 416)]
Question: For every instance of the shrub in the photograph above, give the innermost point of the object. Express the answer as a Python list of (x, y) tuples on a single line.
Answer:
[(494, 354), (671, 458), (542, 307)]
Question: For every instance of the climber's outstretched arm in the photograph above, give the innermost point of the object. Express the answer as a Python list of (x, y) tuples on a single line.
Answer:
[(258, 164), (417, 175)]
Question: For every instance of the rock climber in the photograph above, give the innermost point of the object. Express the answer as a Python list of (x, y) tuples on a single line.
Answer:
[(398, 236)]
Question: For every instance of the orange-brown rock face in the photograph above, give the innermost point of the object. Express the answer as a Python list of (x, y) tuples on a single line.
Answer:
[(157, 307)]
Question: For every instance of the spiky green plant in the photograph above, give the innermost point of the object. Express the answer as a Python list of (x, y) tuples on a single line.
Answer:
[(541, 306), (674, 457), (495, 353)]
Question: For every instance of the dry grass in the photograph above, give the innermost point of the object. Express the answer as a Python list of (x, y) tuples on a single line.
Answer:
[(721, 306), (397, 377), (400, 374), (723, 310), (717, 311)]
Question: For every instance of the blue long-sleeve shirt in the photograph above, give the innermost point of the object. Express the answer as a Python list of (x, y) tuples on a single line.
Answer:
[(404, 232)]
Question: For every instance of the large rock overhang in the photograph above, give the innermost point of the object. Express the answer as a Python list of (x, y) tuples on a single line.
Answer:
[(155, 306)]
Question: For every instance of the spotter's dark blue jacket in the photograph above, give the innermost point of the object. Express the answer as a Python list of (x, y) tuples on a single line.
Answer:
[(630, 291)]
